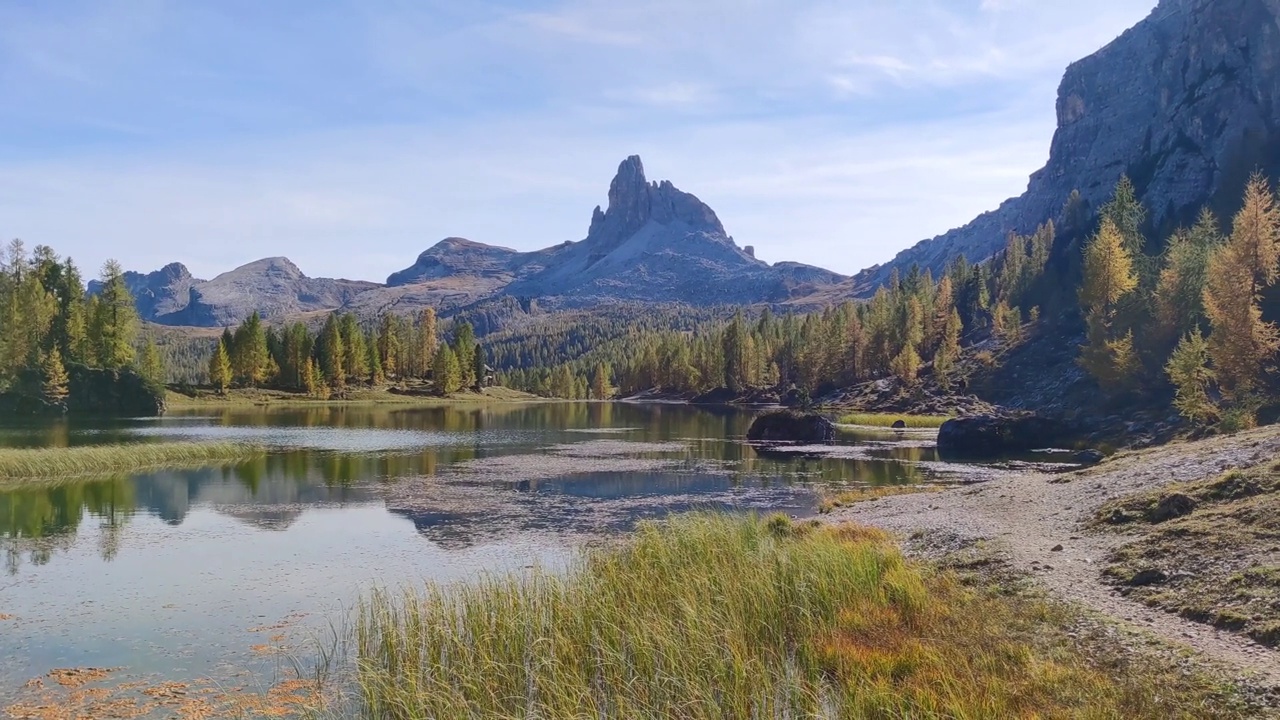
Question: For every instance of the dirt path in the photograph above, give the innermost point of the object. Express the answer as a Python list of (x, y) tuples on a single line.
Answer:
[(1026, 516)]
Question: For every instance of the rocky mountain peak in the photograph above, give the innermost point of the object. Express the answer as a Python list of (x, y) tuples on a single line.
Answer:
[(1186, 103), (634, 202)]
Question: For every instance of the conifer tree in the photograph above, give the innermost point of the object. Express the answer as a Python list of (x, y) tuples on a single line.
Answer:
[(1108, 278), (55, 385), (332, 354), (1241, 341), (355, 354), (150, 364), (464, 347), (1179, 291), (600, 387), (479, 368), (376, 376), (948, 349), (114, 326), (445, 373), (220, 368), (1189, 371), (428, 336)]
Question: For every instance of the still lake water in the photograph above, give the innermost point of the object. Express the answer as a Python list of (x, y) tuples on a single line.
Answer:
[(235, 573)]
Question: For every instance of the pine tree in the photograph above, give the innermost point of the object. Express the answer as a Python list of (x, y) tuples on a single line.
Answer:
[(907, 364), (464, 347), (1188, 370), (1127, 215), (428, 336), (355, 355), (948, 349), (479, 368), (150, 364), (220, 368), (1241, 341), (376, 376), (115, 323), (445, 373), (332, 354), (1179, 295), (600, 386), (55, 385), (1108, 278)]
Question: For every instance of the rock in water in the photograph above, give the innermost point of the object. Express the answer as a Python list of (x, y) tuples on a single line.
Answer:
[(785, 426), (986, 437)]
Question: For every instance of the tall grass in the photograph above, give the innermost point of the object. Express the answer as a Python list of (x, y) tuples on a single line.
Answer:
[(888, 419), (18, 465), (714, 617)]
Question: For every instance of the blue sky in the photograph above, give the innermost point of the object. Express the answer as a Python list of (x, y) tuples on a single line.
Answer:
[(350, 135)]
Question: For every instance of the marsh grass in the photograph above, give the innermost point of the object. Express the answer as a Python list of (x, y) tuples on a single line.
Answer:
[(25, 465), (830, 502), (708, 616), (913, 422)]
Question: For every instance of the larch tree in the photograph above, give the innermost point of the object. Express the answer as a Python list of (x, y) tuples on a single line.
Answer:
[(1179, 294), (115, 322), (150, 364), (332, 354), (1242, 342), (446, 373), (600, 386), (220, 368), (55, 385), (1108, 277), (1188, 370)]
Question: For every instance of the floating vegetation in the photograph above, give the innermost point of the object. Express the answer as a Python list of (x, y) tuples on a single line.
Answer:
[(887, 420), (21, 465)]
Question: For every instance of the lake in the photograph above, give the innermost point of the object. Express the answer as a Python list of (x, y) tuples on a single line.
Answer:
[(185, 585)]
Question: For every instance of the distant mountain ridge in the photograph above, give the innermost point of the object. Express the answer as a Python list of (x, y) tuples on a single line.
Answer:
[(653, 243)]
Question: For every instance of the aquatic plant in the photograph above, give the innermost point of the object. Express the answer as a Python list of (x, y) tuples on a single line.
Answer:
[(888, 419), (708, 616), (23, 465)]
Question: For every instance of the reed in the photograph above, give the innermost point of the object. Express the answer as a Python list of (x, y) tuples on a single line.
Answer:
[(709, 616), (915, 422), (23, 465)]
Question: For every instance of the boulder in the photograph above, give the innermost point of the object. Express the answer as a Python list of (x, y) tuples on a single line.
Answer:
[(785, 426), (987, 437), (899, 424), (1174, 505)]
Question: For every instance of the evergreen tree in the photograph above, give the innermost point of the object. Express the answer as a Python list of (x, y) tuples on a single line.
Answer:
[(114, 326), (376, 376), (428, 337), (151, 365), (250, 360), (1241, 341), (55, 385), (1126, 215), (948, 350), (332, 354), (600, 386), (1188, 370), (445, 373), (1179, 291), (220, 368), (1108, 277), (479, 368), (464, 347), (355, 354)]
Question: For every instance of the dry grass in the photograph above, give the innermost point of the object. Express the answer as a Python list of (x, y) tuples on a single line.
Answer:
[(21, 466), (716, 617), (914, 422), (1218, 563), (831, 502)]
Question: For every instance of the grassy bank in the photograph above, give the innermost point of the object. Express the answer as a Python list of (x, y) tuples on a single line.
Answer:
[(1205, 550), (258, 397), (716, 617), (915, 422), (22, 465)]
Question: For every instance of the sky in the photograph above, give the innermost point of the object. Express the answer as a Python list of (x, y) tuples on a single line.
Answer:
[(351, 135)]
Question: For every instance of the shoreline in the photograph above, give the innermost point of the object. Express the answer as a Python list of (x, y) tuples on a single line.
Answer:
[(1041, 527)]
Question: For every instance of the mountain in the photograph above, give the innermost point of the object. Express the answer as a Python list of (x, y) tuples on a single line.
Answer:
[(275, 287), (654, 243), (1186, 103), (163, 292)]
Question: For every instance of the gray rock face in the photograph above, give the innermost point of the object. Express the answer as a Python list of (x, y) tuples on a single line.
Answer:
[(1187, 103), (453, 257), (163, 292), (658, 243), (274, 287)]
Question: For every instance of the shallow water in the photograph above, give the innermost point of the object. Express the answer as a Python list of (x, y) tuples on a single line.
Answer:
[(235, 573)]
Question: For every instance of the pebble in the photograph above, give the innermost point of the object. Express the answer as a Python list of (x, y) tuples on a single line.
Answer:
[(1057, 548)]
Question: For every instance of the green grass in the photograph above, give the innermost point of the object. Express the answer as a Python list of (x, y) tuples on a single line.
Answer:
[(20, 465), (709, 616), (888, 419)]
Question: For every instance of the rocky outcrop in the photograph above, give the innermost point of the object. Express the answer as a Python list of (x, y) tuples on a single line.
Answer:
[(785, 426), (459, 257), (657, 243), (163, 292), (986, 437), (274, 287), (1187, 103)]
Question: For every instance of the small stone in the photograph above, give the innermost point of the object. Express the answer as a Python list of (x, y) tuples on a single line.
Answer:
[(1057, 548), (1148, 576)]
